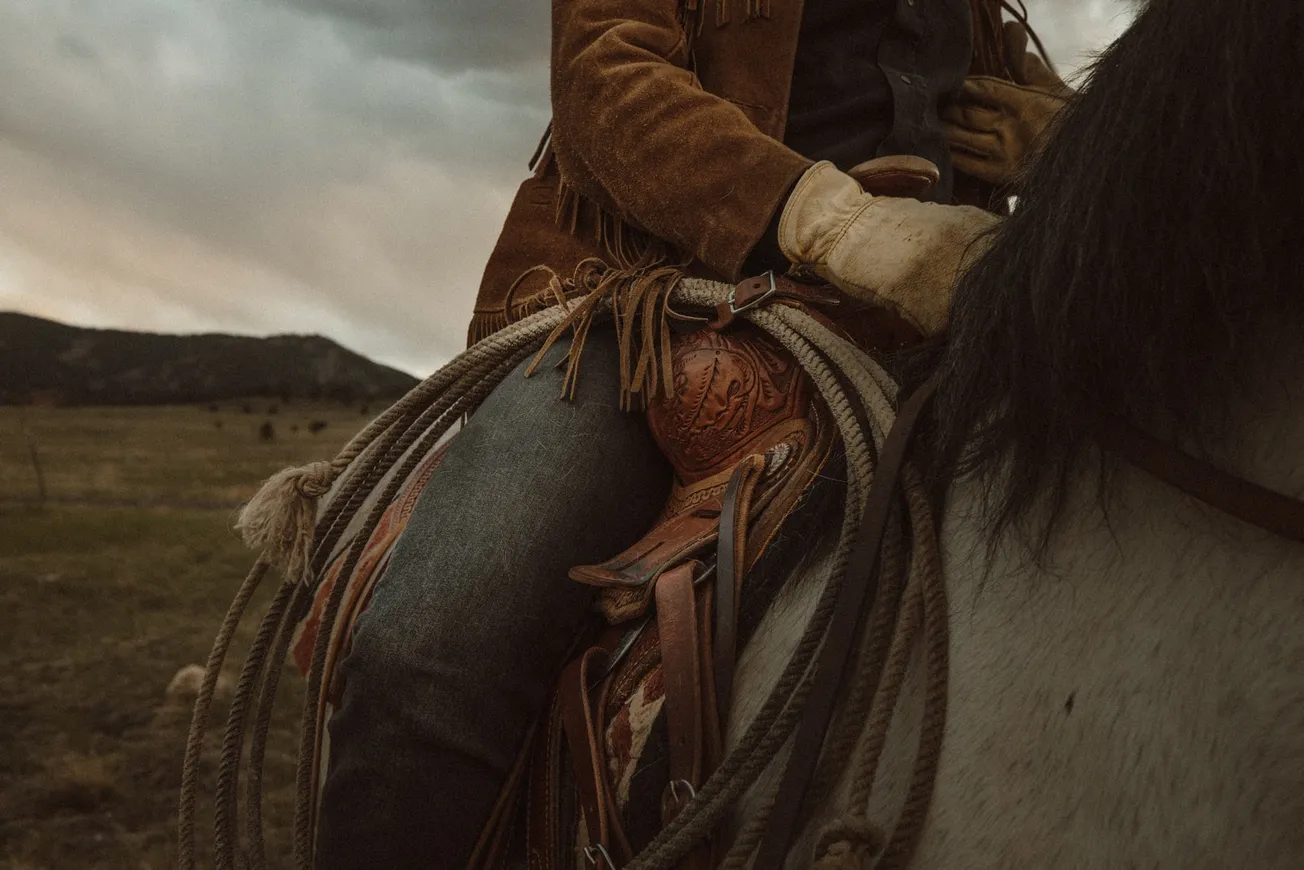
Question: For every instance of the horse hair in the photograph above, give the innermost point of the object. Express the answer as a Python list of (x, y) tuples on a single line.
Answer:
[(1155, 249)]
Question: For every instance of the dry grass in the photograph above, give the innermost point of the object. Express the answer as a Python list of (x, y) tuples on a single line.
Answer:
[(174, 455), (104, 601)]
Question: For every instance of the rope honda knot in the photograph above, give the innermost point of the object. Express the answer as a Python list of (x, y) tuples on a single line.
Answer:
[(315, 479), (279, 519), (848, 843)]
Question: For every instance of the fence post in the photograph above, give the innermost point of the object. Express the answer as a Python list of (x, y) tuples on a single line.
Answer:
[(36, 462)]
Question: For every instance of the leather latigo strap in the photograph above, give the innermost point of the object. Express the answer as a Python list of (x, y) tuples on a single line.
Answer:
[(677, 622), (731, 559), (691, 721), (584, 724), (584, 741), (543, 833)]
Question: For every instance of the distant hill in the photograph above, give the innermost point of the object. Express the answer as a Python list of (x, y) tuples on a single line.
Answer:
[(44, 362)]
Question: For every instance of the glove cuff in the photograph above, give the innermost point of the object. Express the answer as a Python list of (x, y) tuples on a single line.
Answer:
[(824, 200)]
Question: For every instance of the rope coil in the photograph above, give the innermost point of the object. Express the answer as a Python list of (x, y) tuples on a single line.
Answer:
[(299, 535)]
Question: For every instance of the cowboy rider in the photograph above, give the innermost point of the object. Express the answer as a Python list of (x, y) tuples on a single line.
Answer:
[(724, 131)]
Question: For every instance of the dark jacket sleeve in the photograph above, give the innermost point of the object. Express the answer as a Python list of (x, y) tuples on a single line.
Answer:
[(634, 132)]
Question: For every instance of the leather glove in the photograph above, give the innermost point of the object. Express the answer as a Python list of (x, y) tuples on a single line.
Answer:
[(993, 125), (891, 251)]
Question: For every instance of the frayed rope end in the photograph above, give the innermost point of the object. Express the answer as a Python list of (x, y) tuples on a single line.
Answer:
[(279, 520)]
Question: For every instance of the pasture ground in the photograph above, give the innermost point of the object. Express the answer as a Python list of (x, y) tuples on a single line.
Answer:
[(118, 580)]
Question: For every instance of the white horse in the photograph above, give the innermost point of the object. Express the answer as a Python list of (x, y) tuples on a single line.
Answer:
[(1128, 692), (1136, 698)]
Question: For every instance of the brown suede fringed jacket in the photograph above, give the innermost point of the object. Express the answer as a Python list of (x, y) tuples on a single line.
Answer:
[(665, 144)]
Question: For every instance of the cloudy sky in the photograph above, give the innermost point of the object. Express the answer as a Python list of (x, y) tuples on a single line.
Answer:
[(264, 166)]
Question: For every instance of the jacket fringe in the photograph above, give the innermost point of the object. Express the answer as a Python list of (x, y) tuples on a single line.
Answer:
[(485, 322), (638, 302), (620, 245), (623, 246), (635, 298)]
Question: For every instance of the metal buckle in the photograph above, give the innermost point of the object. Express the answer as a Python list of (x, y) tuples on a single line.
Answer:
[(688, 786), (671, 802), (735, 309), (626, 644), (706, 574), (597, 849)]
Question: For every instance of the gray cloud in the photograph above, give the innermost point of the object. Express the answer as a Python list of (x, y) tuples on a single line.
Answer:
[(452, 36), (1074, 30), (338, 166)]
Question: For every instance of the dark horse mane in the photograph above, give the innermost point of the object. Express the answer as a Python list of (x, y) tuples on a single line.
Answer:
[(1157, 242)]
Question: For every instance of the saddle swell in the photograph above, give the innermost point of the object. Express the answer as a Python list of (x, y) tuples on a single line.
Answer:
[(731, 389), (737, 396)]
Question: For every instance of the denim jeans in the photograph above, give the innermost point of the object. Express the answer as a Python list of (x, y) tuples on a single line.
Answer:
[(456, 652)]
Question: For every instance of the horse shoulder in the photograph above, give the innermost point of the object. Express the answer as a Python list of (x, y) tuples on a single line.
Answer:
[(1134, 698)]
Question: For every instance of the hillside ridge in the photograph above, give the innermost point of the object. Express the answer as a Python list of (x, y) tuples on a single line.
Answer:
[(46, 362)]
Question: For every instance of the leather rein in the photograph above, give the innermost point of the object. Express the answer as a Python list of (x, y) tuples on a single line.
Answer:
[(1239, 498), (1257, 505)]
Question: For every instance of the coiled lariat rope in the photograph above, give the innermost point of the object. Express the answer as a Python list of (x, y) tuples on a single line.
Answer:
[(430, 409), (284, 521)]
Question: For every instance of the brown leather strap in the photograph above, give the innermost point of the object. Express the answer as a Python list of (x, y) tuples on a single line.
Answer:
[(682, 675), (488, 852), (712, 733), (584, 741), (730, 566), (543, 820), (1249, 502), (860, 584), (692, 718), (616, 836), (767, 288), (703, 856)]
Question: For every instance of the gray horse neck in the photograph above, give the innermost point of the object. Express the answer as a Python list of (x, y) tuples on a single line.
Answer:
[(1134, 696)]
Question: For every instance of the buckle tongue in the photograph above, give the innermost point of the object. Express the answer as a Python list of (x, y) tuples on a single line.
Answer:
[(736, 308), (754, 291)]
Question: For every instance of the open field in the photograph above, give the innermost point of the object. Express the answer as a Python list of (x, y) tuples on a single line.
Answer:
[(119, 580)]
